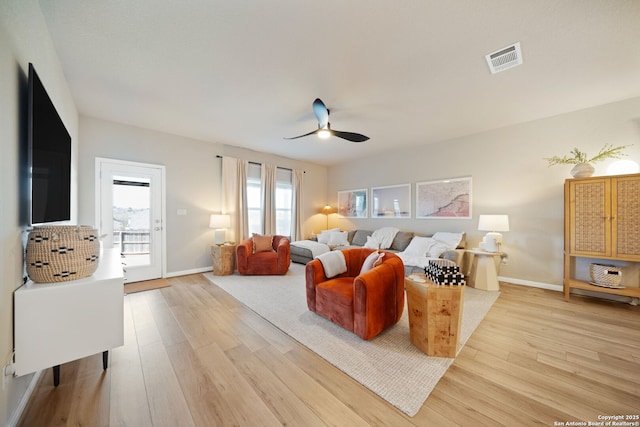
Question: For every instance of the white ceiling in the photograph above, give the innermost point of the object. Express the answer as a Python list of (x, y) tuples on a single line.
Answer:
[(245, 72)]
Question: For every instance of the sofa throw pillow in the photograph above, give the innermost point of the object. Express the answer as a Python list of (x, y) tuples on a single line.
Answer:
[(338, 238), (324, 238), (419, 246), (360, 237), (330, 230), (372, 243), (262, 243), (452, 240), (402, 240), (437, 249), (325, 235), (374, 259)]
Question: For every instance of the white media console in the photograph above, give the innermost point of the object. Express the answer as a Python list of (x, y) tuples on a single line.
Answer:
[(56, 323)]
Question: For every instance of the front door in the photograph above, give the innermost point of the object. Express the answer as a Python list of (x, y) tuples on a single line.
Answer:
[(130, 215)]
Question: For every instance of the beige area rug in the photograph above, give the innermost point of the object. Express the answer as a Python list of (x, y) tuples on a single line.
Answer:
[(146, 285), (389, 365)]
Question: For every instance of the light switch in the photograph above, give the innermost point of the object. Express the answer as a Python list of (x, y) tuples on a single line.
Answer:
[(182, 211)]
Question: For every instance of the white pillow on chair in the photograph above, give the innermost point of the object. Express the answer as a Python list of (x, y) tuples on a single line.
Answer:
[(374, 259)]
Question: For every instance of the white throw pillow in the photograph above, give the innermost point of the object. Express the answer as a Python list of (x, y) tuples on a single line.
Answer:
[(338, 238), (324, 238), (437, 249), (372, 243), (372, 260), (331, 230), (452, 240), (325, 235), (419, 246)]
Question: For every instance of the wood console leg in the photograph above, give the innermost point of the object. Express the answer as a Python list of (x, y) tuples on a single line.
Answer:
[(105, 359), (56, 375)]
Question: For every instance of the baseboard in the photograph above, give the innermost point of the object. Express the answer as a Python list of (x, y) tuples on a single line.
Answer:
[(530, 283), (187, 272), (15, 417), (559, 288)]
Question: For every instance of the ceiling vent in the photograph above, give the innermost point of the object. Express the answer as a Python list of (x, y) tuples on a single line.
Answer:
[(505, 58)]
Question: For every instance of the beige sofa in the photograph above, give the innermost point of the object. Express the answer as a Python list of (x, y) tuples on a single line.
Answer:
[(305, 251)]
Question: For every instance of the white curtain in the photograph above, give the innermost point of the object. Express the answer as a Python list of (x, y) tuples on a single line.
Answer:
[(234, 193), (296, 215), (268, 198)]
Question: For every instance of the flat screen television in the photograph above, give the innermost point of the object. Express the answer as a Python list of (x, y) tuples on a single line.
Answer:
[(49, 157)]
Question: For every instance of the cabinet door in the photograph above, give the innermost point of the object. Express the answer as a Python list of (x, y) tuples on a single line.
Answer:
[(590, 217), (626, 217)]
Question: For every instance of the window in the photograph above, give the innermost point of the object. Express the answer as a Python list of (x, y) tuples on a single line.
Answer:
[(254, 199), (283, 196), (284, 201)]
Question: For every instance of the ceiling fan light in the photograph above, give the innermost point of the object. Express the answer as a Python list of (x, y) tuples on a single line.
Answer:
[(324, 134)]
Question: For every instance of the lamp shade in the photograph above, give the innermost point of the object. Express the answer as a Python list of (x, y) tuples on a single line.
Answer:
[(219, 221), (327, 210), (493, 223)]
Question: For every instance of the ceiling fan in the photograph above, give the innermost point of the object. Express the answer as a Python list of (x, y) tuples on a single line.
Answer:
[(324, 127)]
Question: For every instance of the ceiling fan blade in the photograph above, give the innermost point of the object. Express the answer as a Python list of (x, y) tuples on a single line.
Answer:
[(306, 134), (350, 136), (321, 112)]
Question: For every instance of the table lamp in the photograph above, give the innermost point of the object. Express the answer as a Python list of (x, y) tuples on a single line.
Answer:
[(492, 241), (220, 223)]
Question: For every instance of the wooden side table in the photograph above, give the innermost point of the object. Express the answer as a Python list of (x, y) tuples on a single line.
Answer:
[(224, 259), (435, 315), (484, 274)]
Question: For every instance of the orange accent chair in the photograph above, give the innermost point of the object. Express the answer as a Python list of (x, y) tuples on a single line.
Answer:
[(276, 260), (365, 304)]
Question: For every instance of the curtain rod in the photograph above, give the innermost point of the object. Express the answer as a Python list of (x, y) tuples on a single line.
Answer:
[(258, 163)]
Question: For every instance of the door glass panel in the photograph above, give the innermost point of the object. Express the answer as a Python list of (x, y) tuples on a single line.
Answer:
[(132, 219)]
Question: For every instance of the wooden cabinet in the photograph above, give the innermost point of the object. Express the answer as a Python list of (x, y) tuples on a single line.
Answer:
[(602, 221)]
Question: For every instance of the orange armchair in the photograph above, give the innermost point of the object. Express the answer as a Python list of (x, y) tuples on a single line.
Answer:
[(365, 304), (275, 260)]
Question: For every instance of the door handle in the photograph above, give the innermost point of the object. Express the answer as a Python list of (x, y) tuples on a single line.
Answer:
[(158, 228)]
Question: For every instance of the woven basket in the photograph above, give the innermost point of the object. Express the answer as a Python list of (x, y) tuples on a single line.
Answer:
[(604, 274), (62, 253)]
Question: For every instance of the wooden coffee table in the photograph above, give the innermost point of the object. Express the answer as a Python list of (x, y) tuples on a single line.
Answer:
[(435, 315)]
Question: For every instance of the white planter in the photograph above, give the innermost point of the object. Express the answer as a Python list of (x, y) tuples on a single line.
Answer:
[(582, 170)]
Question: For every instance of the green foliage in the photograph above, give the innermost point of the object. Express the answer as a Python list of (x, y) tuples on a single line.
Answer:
[(576, 156)]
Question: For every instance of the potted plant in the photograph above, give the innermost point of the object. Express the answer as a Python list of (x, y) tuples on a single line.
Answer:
[(582, 162)]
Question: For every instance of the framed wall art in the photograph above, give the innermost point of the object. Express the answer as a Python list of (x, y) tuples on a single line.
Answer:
[(444, 199), (352, 203), (393, 201)]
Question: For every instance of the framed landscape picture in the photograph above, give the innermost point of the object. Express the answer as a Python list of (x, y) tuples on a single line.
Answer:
[(444, 199), (352, 203), (393, 201)]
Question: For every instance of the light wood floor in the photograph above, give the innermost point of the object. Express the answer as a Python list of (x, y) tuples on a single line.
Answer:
[(193, 355)]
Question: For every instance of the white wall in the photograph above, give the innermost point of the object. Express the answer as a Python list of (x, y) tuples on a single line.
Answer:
[(24, 38), (509, 177), (193, 182)]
